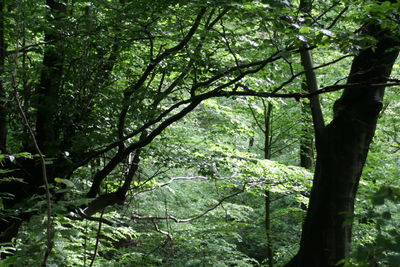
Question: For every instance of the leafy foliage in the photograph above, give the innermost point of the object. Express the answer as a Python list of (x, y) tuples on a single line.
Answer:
[(153, 110)]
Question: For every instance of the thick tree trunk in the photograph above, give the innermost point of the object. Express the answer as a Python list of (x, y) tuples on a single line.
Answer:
[(344, 144)]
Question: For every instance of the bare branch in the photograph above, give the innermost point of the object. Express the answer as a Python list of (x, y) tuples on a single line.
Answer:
[(167, 234), (219, 17), (169, 217), (83, 216), (324, 12), (226, 40)]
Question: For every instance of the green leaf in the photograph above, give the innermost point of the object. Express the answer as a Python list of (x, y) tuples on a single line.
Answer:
[(305, 30)]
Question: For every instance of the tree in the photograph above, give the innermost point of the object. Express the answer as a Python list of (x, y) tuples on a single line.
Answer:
[(342, 151)]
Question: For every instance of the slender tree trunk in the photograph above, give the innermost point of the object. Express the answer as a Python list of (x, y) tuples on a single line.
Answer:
[(344, 144), (309, 84), (267, 155), (3, 110)]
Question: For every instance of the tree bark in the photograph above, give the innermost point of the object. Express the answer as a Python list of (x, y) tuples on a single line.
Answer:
[(327, 230)]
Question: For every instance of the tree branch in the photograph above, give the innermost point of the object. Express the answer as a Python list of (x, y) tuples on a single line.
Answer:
[(297, 96), (259, 64), (177, 220), (151, 66)]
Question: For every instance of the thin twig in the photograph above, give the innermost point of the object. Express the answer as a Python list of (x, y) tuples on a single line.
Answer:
[(255, 119), (338, 17)]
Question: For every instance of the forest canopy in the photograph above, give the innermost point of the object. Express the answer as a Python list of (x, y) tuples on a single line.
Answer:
[(193, 133)]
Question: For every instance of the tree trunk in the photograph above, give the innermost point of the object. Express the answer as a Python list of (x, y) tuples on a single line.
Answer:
[(29, 169), (50, 80), (3, 110), (327, 230), (310, 85), (306, 140), (267, 155)]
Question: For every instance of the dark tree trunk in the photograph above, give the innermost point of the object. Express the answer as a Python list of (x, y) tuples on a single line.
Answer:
[(29, 169), (344, 144), (50, 80), (3, 110)]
